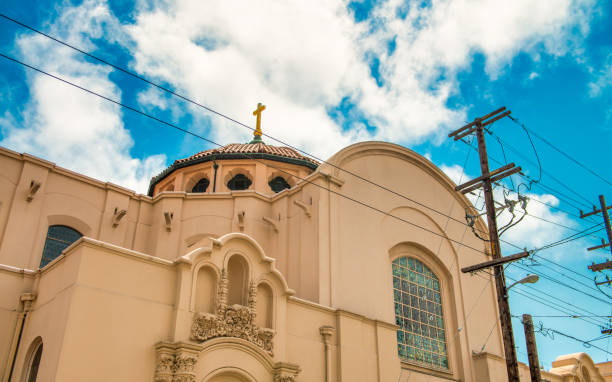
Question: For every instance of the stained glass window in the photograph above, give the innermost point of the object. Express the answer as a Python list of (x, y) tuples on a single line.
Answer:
[(201, 186), (59, 237), (418, 313), (239, 182)]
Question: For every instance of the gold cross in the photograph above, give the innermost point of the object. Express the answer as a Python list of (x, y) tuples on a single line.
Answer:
[(257, 112)]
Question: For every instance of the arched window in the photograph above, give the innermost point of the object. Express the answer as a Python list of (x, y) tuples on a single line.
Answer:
[(239, 182), (418, 313), (278, 184), (201, 186), (59, 237), (32, 370)]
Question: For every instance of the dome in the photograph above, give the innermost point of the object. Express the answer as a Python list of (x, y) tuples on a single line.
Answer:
[(255, 150)]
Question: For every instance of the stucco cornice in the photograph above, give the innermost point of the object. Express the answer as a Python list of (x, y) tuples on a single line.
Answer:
[(68, 173)]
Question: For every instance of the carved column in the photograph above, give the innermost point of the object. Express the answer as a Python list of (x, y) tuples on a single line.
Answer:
[(164, 369), (176, 361), (184, 366), (285, 372), (222, 293), (326, 333)]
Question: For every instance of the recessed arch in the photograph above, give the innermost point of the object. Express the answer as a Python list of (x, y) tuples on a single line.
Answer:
[(205, 288), (33, 358), (238, 277), (230, 374), (265, 306)]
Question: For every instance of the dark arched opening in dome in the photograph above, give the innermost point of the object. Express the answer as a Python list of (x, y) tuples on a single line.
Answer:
[(239, 182), (201, 186), (278, 184)]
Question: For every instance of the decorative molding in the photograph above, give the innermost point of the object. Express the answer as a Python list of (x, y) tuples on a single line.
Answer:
[(168, 216), (241, 220), (27, 299), (117, 216), (34, 187), (176, 362), (232, 321), (271, 222), (285, 372), (303, 206), (326, 332)]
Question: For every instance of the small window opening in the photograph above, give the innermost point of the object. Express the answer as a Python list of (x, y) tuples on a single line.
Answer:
[(59, 237), (201, 186), (33, 372), (239, 182), (278, 184)]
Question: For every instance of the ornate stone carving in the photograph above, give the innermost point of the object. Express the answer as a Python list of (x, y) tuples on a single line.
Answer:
[(285, 372), (176, 362), (284, 378), (232, 321)]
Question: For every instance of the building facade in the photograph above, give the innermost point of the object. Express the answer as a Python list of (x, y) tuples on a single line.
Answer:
[(248, 263)]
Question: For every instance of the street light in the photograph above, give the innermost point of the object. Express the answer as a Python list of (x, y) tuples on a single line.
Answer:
[(529, 279)]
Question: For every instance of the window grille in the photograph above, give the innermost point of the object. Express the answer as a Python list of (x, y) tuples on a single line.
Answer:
[(239, 182), (418, 313), (278, 184)]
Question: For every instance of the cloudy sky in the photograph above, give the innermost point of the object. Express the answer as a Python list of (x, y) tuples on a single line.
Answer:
[(332, 73)]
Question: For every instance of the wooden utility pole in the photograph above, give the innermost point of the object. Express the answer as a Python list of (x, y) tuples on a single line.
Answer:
[(487, 177), (532, 350), (604, 212)]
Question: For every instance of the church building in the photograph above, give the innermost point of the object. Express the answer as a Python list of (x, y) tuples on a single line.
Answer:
[(249, 263)]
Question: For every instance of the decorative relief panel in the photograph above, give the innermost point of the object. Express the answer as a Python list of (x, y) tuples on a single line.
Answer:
[(232, 320), (176, 362)]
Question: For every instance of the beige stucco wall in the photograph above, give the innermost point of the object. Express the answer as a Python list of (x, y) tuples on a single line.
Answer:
[(103, 305)]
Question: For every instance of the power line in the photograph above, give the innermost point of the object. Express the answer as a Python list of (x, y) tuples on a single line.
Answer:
[(556, 306), (562, 152), (519, 153), (210, 141), (196, 103), (546, 332), (244, 154), (547, 277), (550, 189), (130, 73)]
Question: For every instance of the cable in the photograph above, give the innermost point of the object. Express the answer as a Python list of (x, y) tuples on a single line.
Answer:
[(571, 316), (573, 310), (542, 301), (184, 98), (562, 152), (547, 277), (517, 152), (225, 116), (544, 331), (244, 154), (550, 190)]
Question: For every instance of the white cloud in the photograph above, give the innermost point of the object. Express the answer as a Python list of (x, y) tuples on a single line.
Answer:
[(541, 225), (65, 125), (300, 59), (602, 79)]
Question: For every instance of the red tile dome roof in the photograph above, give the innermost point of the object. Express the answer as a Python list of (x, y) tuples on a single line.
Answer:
[(256, 150)]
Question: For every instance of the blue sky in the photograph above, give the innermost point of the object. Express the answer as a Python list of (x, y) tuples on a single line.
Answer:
[(331, 74)]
